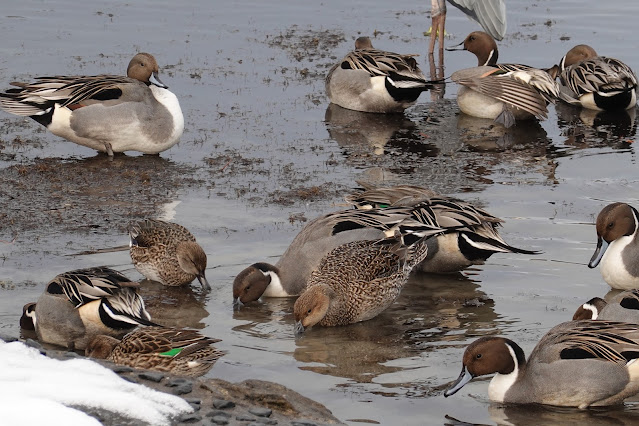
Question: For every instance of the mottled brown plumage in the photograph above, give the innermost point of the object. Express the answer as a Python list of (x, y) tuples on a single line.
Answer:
[(170, 350), (356, 282), (167, 252)]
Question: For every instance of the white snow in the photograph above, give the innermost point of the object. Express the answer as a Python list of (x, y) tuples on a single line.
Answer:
[(35, 389)]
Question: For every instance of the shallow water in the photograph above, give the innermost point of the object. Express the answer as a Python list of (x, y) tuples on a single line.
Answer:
[(262, 153)]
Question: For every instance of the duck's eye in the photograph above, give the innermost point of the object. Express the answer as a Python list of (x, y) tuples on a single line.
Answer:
[(309, 311), (471, 38), (478, 356), (611, 224)]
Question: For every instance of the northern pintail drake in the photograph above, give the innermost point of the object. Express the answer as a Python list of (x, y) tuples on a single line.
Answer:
[(471, 244), (107, 113), (576, 364), (289, 276), (621, 307), (490, 14), (617, 246), (80, 304), (372, 80), (167, 253), (357, 281), (596, 82), (502, 92), (171, 350)]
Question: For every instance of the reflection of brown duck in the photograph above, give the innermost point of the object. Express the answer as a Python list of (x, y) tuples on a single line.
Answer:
[(365, 132), (174, 306), (482, 134)]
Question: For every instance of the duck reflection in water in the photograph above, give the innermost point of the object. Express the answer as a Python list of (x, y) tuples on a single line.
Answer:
[(363, 134)]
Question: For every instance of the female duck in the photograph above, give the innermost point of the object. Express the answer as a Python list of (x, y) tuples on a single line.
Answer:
[(576, 364), (80, 304), (502, 92), (617, 246), (372, 80), (470, 244), (171, 350), (356, 282), (596, 82), (104, 112), (167, 253)]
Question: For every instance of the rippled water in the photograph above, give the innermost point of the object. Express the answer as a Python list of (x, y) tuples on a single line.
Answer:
[(261, 154)]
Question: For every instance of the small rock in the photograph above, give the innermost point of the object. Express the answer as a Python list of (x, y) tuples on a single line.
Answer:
[(7, 338), (222, 404), (190, 418), (130, 379), (220, 420), (33, 344), (152, 376), (265, 421), (302, 423), (120, 369), (183, 389), (244, 418), (71, 355), (218, 413), (260, 411), (177, 381), (197, 401)]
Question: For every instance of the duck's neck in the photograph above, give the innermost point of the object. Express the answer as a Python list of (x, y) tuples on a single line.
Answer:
[(490, 58), (502, 382)]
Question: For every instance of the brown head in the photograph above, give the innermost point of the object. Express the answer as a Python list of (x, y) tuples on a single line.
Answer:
[(482, 45), (590, 310), (192, 260), (100, 347), (614, 221), (579, 53), (250, 284), (311, 307), (144, 67), (488, 355), (28, 318), (363, 43)]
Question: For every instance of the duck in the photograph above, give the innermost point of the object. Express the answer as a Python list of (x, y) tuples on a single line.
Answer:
[(177, 351), (452, 251), (167, 253), (576, 364), (490, 14), (107, 113), (371, 80), (28, 319), (502, 92), (596, 82), (80, 304), (617, 246), (623, 306), (357, 281)]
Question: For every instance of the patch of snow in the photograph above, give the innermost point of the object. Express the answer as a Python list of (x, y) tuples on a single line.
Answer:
[(40, 389)]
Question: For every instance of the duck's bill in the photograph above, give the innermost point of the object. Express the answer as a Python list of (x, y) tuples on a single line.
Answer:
[(299, 328), (602, 245), (204, 282), (155, 80), (237, 303), (463, 378), (459, 46)]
